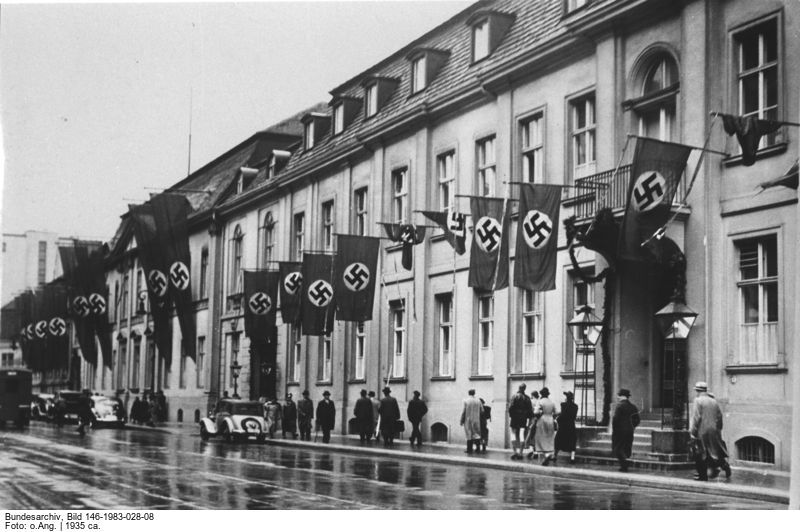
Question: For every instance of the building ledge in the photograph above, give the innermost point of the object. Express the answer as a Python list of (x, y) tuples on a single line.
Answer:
[(481, 377), (753, 369), (357, 381), (769, 151), (577, 375), (395, 380), (523, 376), (442, 378)]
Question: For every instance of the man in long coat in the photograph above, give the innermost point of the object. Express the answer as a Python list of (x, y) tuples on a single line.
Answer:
[(416, 411), (706, 431), (363, 415), (625, 420), (305, 416), (289, 414), (390, 415), (520, 410), (471, 420), (326, 416)]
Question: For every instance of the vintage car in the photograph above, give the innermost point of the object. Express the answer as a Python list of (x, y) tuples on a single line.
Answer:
[(42, 406), (70, 401), (107, 411), (235, 419)]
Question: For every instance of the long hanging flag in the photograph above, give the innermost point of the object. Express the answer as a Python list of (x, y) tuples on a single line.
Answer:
[(98, 304), (748, 131), (39, 330), (261, 301), (355, 270), (170, 212), (488, 261), (57, 349), (454, 225), (144, 228), (317, 301), (26, 326), (407, 234), (77, 261), (788, 180), (537, 237), (655, 173), (291, 288)]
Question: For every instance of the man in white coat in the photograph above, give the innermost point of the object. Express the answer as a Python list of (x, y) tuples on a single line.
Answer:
[(706, 431), (471, 420)]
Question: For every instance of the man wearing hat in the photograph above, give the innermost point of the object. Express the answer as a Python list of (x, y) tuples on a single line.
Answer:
[(706, 432), (305, 415), (625, 420), (520, 410), (389, 412), (363, 414), (326, 416), (416, 411), (471, 420), (289, 417)]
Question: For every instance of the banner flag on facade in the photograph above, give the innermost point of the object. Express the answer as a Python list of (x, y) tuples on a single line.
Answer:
[(355, 270), (655, 173), (144, 230), (26, 326), (39, 330), (79, 306), (748, 131), (317, 300), (407, 234), (57, 348), (170, 212), (454, 225), (261, 302), (98, 304), (788, 180), (488, 261), (291, 289), (537, 237)]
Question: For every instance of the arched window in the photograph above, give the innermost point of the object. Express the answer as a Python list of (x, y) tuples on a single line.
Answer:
[(755, 449), (267, 239), (656, 87), (236, 261)]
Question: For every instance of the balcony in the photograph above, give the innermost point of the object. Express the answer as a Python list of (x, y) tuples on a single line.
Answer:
[(605, 189)]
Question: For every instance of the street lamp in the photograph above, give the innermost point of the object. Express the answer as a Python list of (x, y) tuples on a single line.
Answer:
[(675, 321), (586, 329), (236, 370)]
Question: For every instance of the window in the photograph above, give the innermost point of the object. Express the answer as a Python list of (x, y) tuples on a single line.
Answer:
[(115, 306), (201, 361), (360, 211), (360, 351), (309, 135), (240, 184), (532, 337), (299, 235), (204, 273), (122, 366), (182, 369), (136, 362), (399, 195), (8, 360), (327, 225), (234, 356), (235, 286), (656, 107), (150, 365), (758, 300), (338, 118), (487, 174), (480, 40), (755, 449), (483, 364), (418, 80), (532, 149), (582, 130), (371, 99), (398, 338), (757, 76), (572, 5), (580, 360), (272, 169), (445, 172), (126, 279), (267, 240), (324, 372), (296, 346), (444, 351), (42, 265), (140, 292)]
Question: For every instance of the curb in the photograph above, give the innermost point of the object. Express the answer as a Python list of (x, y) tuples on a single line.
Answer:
[(145, 428)]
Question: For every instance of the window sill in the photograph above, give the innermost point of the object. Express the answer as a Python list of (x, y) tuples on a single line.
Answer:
[(443, 378), (769, 151), (576, 375), (481, 377), (438, 236), (523, 376), (323, 383), (357, 381), (744, 369), (293, 383)]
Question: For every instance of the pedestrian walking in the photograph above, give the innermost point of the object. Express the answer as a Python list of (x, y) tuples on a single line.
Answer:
[(471, 420), (363, 415), (305, 416), (136, 409), (520, 411), (289, 417), (161, 401), (376, 405), (389, 412), (625, 420), (486, 417), (60, 410), (710, 451), (416, 411), (567, 434), (546, 426), (530, 431), (326, 416), (84, 412), (272, 415)]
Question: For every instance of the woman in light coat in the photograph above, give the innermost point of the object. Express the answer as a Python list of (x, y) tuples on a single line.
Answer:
[(546, 426), (471, 420)]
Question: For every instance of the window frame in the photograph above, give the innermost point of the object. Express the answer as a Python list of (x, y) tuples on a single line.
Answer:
[(325, 360), (361, 210), (308, 135), (398, 330), (267, 240), (588, 132), (298, 234), (419, 77), (371, 100), (236, 261), (444, 367), (483, 360), (482, 166), (200, 365), (328, 219), (529, 150), (399, 198), (573, 356), (338, 118), (446, 179), (359, 351), (204, 273), (536, 312), (481, 25), (295, 353)]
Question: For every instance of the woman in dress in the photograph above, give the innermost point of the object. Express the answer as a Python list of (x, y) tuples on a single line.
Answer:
[(566, 437), (546, 426)]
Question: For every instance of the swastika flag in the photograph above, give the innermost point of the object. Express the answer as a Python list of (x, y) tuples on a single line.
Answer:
[(454, 226), (537, 237), (354, 273), (290, 287), (655, 173), (260, 304), (317, 294), (488, 261)]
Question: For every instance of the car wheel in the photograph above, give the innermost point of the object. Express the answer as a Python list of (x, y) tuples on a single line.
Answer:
[(204, 435), (226, 434)]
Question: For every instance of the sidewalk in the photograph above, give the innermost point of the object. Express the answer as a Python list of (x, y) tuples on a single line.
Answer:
[(772, 486)]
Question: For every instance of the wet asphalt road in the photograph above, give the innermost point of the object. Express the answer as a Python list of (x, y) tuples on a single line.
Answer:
[(45, 467)]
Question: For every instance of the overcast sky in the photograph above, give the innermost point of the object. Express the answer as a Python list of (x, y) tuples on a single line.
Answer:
[(96, 98)]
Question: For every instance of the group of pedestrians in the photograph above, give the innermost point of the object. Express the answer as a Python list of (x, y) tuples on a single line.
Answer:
[(536, 422), (148, 409)]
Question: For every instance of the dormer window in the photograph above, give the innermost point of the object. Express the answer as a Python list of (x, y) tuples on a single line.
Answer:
[(315, 126), (344, 110), (488, 29), (245, 177), (277, 161), (425, 64), (572, 5), (371, 99), (338, 118), (309, 136), (377, 91), (418, 79), (240, 184)]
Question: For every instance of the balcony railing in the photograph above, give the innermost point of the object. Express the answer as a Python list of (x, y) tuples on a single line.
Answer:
[(605, 189)]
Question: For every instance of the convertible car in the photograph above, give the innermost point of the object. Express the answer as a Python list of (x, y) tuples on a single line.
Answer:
[(235, 419)]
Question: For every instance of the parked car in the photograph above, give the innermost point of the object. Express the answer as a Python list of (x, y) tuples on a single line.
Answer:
[(43, 406), (235, 419), (71, 401), (107, 411)]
